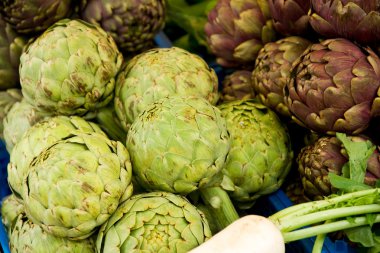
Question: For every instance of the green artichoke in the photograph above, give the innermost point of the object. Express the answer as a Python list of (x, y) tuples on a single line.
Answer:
[(178, 144), (27, 237), (75, 185), (356, 20), (39, 137), (133, 24), (236, 31), (36, 15), (11, 46), (19, 119), (272, 69), (290, 17), (11, 208), (70, 69), (154, 222), (237, 85), (333, 87), (261, 154), (158, 73), (327, 155), (7, 99)]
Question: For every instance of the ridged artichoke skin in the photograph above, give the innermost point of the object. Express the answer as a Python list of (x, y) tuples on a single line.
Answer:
[(272, 70), (333, 87), (154, 222), (133, 23), (260, 156), (236, 30), (7, 99), (178, 144), (356, 20), (290, 17), (70, 68), (236, 86), (158, 73), (39, 137), (327, 155), (11, 208), (27, 237), (11, 47), (34, 16), (19, 119), (76, 184)]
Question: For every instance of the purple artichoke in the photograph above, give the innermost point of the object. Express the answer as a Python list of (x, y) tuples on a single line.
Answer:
[(290, 16), (327, 155), (236, 31), (357, 20), (333, 87), (133, 24), (237, 85), (34, 16)]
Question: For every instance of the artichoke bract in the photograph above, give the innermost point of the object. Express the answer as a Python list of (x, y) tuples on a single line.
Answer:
[(260, 156), (154, 222), (333, 87), (75, 185), (11, 208), (34, 16), (327, 155), (158, 73), (133, 24), (178, 144), (356, 20), (19, 119), (11, 46), (290, 17), (237, 85), (272, 69), (70, 69), (39, 137), (7, 99), (27, 237), (236, 31)]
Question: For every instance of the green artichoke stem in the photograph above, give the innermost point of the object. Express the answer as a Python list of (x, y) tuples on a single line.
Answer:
[(109, 124), (220, 206)]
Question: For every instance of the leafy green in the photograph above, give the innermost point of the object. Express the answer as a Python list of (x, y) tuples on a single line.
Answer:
[(346, 184), (362, 235)]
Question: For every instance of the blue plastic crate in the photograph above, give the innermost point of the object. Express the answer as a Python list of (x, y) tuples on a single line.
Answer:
[(4, 191)]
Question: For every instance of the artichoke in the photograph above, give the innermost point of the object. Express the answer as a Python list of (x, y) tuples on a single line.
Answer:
[(107, 119), (272, 69), (290, 17), (236, 31), (333, 87), (158, 73), (357, 20), (75, 185), (237, 85), (70, 69), (178, 144), (34, 16), (261, 154), (154, 222), (11, 208), (327, 155), (27, 237), (11, 46), (133, 24), (7, 99), (19, 119), (39, 137)]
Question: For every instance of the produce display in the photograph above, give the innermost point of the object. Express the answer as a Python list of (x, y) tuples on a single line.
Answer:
[(117, 143)]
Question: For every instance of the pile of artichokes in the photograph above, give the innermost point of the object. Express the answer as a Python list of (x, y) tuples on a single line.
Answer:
[(118, 144)]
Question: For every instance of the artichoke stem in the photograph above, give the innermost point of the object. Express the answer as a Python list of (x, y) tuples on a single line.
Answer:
[(220, 205), (108, 123)]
